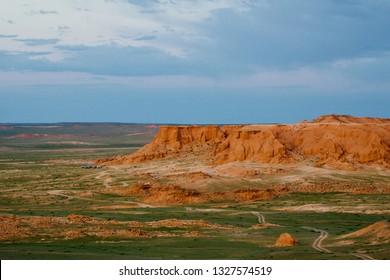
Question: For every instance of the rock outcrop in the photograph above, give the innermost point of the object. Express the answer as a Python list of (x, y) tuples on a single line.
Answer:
[(174, 140), (341, 142), (379, 231), (164, 194), (286, 240), (349, 119)]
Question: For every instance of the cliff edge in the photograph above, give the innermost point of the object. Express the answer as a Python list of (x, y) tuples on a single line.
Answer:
[(333, 140)]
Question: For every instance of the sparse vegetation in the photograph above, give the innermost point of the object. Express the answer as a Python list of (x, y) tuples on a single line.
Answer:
[(41, 180)]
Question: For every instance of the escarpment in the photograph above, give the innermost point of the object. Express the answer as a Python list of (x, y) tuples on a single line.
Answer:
[(337, 141), (174, 141), (259, 145)]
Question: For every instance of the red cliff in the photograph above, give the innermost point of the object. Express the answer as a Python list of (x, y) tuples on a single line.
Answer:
[(338, 141)]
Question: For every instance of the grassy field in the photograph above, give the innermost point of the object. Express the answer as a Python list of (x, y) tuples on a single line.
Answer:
[(41, 176)]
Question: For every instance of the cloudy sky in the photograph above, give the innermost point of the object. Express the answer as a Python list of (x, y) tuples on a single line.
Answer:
[(199, 61)]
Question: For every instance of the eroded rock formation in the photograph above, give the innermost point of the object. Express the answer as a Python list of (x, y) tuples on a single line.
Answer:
[(286, 240), (376, 231), (337, 141)]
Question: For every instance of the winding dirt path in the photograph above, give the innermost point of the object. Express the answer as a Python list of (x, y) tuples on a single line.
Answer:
[(362, 256), (100, 175), (317, 244), (260, 218), (59, 193), (107, 181)]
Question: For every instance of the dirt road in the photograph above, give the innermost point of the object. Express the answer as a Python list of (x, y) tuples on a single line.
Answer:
[(362, 256), (317, 244), (107, 181), (59, 193), (260, 218)]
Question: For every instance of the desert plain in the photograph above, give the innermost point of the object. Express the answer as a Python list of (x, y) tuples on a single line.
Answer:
[(316, 189)]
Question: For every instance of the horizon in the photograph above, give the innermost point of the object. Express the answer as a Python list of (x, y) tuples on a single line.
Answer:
[(178, 124), (203, 62)]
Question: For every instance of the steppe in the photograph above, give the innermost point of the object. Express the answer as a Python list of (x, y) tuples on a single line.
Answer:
[(311, 190)]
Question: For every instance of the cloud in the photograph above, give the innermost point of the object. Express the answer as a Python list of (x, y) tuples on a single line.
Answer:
[(295, 34), (25, 78), (146, 37), (72, 48), (8, 36), (265, 44), (124, 23), (237, 60), (125, 61), (370, 73), (42, 12), (349, 77), (23, 62), (38, 42), (112, 60), (12, 78), (47, 12), (63, 29)]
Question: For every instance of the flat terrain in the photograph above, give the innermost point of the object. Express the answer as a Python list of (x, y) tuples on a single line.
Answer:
[(177, 208)]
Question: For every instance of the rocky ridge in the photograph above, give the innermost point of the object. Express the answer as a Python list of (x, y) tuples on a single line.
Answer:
[(377, 231), (341, 142)]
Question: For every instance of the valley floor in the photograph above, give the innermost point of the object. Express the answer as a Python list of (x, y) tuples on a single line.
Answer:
[(51, 208)]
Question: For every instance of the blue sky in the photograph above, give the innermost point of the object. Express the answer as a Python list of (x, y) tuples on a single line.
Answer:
[(200, 61)]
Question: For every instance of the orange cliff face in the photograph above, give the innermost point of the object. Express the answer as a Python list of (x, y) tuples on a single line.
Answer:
[(337, 141), (173, 140), (255, 144)]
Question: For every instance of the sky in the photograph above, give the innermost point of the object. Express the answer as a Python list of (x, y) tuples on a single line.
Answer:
[(194, 62)]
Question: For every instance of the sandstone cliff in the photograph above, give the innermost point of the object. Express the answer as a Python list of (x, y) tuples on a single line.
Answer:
[(174, 140), (337, 141)]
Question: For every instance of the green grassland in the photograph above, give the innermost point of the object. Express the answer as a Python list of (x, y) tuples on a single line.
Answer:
[(32, 167)]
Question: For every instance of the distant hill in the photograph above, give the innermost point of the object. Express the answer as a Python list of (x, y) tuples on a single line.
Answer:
[(349, 119)]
